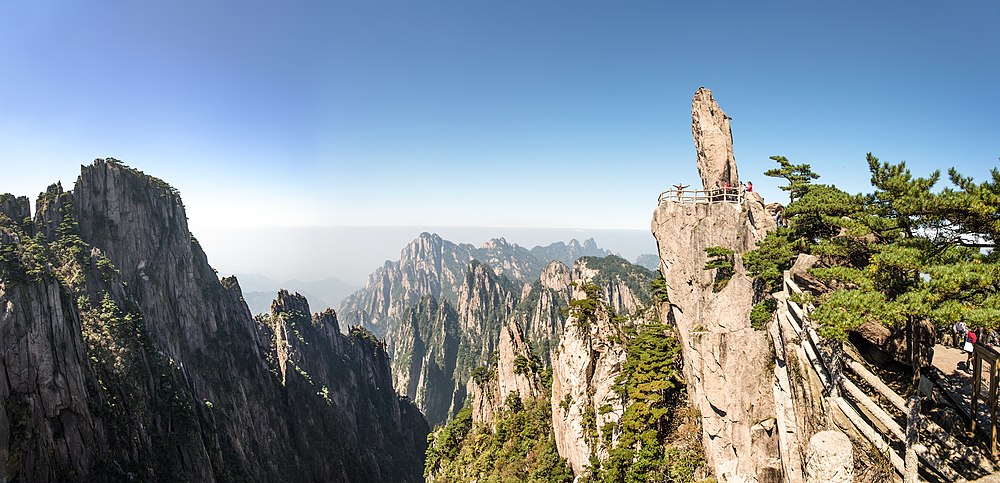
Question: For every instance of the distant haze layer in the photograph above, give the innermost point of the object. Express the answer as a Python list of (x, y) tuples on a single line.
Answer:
[(352, 253)]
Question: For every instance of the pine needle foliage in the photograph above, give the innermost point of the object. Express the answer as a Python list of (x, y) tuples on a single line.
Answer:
[(906, 252), (720, 259), (519, 448), (652, 394)]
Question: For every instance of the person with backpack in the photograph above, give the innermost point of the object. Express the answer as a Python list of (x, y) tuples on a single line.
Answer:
[(970, 345)]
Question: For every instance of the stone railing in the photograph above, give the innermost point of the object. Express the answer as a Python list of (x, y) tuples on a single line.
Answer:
[(722, 195), (869, 418)]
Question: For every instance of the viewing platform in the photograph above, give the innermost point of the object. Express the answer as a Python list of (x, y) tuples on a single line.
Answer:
[(721, 195)]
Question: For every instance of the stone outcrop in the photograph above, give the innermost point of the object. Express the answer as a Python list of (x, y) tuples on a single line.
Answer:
[(830, 458), (515, 373), (437, 347), (585, 358), (589, 357), (426, 348), (713, 141), (441, 308), (726, 362), (126, 358), (584, 368)]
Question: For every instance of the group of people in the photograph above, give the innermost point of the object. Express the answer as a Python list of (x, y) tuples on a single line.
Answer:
[(966, 339), (723, 191)]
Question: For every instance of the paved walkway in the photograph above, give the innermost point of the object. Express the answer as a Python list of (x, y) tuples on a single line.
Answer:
[(957, 380), (947, 359)]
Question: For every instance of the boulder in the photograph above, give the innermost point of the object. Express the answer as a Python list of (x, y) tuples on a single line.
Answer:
[(830, 458)]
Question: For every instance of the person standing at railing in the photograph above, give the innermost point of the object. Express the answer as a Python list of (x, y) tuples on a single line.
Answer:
[(749, 187), (680, 190)]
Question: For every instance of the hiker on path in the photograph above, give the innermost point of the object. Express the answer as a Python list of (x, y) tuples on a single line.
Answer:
[(958, 332), (970, 344)]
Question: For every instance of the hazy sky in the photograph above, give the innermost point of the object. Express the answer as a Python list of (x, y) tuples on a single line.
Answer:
[(565, 114)]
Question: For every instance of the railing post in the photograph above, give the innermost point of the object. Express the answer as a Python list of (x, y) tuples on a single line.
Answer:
[(993, 407), (912, 430), (977, 374)]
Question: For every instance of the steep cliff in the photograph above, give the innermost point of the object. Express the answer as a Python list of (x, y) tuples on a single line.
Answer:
[(584, 367), (425, 348), (441, 308), (430, 267), (539, 310), (439, 344), (531, 422), (341, 384), (713, 142), (513, 373), (726, 362), (125, 357), (435, 267)]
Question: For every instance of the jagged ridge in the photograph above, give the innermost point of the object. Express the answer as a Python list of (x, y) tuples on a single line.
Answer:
[(124, 356)]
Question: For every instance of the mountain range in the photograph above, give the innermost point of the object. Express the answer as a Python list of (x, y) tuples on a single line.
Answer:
[(259, 291)]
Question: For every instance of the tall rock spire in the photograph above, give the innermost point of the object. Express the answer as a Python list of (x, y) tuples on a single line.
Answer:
[(727, 362), (713, 141)]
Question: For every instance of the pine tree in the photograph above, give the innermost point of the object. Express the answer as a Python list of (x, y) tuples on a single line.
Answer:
[(799, 177)]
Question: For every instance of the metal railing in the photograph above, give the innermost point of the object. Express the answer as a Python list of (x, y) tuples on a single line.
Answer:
[(721, 195)]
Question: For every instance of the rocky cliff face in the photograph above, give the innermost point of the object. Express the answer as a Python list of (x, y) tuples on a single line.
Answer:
[(539, 311), (341, 384), (713, 141), (590, 354), (584, 367), (425, 358), (126, 357), (430, 267), (433, 267), (441, 308), (514, 373), (439, 344), (727, 363)]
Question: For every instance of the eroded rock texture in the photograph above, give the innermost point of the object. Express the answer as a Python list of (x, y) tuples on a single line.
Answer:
[(726, 362), (713, 141), (515, 373), (589, 357), (124, 357)]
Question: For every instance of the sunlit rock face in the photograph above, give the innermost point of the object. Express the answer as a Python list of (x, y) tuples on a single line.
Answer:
[(126, 357), (713, 141), (726, 362)]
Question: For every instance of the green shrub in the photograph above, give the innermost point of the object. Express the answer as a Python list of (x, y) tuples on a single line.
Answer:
[(761, 313), (721, 260)]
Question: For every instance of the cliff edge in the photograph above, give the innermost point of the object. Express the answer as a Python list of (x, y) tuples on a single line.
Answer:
[(727, 363)]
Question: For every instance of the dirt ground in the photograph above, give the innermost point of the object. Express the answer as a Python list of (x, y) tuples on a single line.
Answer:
[(948, 358)]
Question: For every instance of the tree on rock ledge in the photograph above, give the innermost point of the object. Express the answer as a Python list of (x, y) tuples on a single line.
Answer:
[(904, 256)]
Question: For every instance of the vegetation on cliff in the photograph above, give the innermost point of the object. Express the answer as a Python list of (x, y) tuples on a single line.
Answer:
[(519, 448), (656, 439), (906, 252), (114, 316)]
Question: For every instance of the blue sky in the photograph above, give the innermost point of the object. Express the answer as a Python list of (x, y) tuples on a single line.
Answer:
[(567, 114)]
